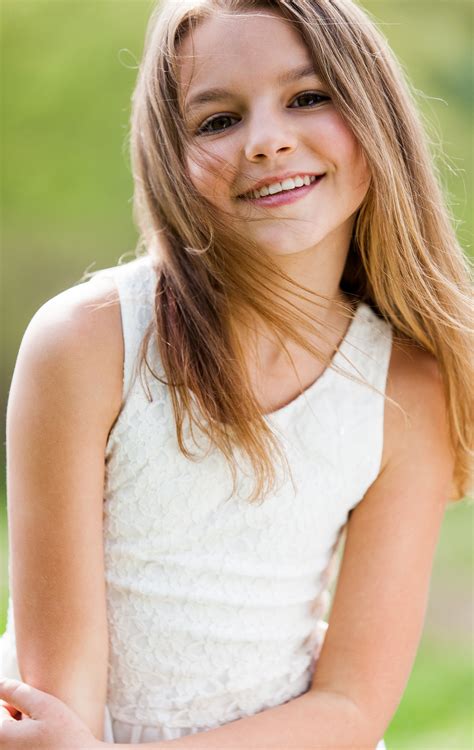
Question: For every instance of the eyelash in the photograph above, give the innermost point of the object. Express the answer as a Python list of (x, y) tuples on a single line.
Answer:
[(202, 131)]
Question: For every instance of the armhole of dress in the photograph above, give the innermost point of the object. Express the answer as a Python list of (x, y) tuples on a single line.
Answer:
[(130, 348), (379, 380), (376, 338), (133, 292)]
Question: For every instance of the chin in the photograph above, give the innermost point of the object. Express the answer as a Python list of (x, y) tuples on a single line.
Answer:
[(291, 244)]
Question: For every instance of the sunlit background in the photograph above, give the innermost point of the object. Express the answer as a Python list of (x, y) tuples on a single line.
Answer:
[(68, 71)]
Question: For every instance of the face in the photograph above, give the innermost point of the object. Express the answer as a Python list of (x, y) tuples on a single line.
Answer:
[(260, 118)]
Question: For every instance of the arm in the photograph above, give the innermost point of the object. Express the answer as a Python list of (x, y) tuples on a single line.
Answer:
[(379, 606), (65, 394), (378, 610)]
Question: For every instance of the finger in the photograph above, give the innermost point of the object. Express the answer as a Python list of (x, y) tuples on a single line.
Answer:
[(5, 715), (17, 735), (25, 698), (10, 709)]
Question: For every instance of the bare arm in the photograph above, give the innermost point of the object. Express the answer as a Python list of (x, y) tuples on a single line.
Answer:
[(64, 397), (382, 591), (380, 603)]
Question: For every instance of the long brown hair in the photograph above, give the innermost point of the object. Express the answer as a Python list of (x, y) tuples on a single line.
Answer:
[(404, 259)]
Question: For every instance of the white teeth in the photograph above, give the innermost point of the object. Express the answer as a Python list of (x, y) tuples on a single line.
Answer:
[(275, 187), (289, 184)]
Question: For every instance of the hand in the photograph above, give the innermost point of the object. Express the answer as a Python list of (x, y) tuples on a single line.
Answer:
[(46, 721), (8, 711)]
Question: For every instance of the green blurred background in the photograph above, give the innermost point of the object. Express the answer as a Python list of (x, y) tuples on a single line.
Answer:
[(68, 72)]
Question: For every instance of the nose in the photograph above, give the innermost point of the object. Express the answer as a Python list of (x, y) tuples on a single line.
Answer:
[(267, 137)]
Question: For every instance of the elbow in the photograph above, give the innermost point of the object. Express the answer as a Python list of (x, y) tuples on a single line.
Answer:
[(370, 726), (341, 721), (83, 691)]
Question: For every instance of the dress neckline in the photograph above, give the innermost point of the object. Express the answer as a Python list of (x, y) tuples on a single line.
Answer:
[(326, 375), (322, 379)]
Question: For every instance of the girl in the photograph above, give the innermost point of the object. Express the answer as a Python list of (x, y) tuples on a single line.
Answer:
[(190, 434)]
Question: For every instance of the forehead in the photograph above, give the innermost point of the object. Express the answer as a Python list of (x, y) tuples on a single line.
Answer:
[(229, 48)]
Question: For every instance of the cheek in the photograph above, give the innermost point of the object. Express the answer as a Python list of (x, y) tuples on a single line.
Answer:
[(337, 141), (210, 171)]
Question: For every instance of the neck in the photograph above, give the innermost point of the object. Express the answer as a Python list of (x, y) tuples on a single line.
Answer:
[(318, 270)]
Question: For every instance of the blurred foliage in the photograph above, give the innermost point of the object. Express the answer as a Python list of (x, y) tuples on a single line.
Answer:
[(67, 78), (67, 75)]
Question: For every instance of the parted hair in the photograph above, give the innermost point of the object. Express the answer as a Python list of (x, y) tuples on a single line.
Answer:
[(404, 259)]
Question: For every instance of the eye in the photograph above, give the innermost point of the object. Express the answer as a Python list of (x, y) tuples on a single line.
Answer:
[(216, 124), (310, 99)]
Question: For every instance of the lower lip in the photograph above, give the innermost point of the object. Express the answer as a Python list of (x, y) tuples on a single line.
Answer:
[(285, 197)]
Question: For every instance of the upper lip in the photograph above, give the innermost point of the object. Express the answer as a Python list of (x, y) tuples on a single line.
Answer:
[(277, 178)]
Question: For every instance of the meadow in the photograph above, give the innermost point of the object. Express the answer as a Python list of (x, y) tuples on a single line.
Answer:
[(68, 72)]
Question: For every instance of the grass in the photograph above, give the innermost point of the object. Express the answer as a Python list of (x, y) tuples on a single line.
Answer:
[(436, 709)]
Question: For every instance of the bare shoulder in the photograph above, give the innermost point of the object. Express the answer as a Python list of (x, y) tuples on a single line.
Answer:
[(415, 383), (77, 335)]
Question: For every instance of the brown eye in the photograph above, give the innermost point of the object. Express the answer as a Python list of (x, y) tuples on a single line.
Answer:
[(310, 99), (216, 124)]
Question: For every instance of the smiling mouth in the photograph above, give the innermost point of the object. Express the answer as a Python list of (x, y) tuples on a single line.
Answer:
[(280, 193), (290, 183)]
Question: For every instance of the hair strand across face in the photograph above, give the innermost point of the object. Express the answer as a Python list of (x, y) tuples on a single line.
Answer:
[(404, 259)]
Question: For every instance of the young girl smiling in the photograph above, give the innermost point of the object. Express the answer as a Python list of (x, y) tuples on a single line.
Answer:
[(191, 433)]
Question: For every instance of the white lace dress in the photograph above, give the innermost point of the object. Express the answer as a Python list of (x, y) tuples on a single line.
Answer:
[(216, 606)]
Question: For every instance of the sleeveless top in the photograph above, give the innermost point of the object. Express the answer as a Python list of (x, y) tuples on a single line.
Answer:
[(215, 605)]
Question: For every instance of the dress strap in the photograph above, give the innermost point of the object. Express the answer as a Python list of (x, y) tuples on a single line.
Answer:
[(135, 283), (365, 351)]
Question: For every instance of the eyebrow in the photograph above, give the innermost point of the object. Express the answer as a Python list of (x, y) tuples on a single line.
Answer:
[(217, 94)]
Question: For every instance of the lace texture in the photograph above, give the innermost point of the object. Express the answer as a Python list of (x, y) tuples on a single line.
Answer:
[(215, 606)]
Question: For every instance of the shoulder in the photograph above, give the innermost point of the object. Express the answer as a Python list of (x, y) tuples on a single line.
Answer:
[(417, 423), (74, 341), (414, 380), (84, 318)]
